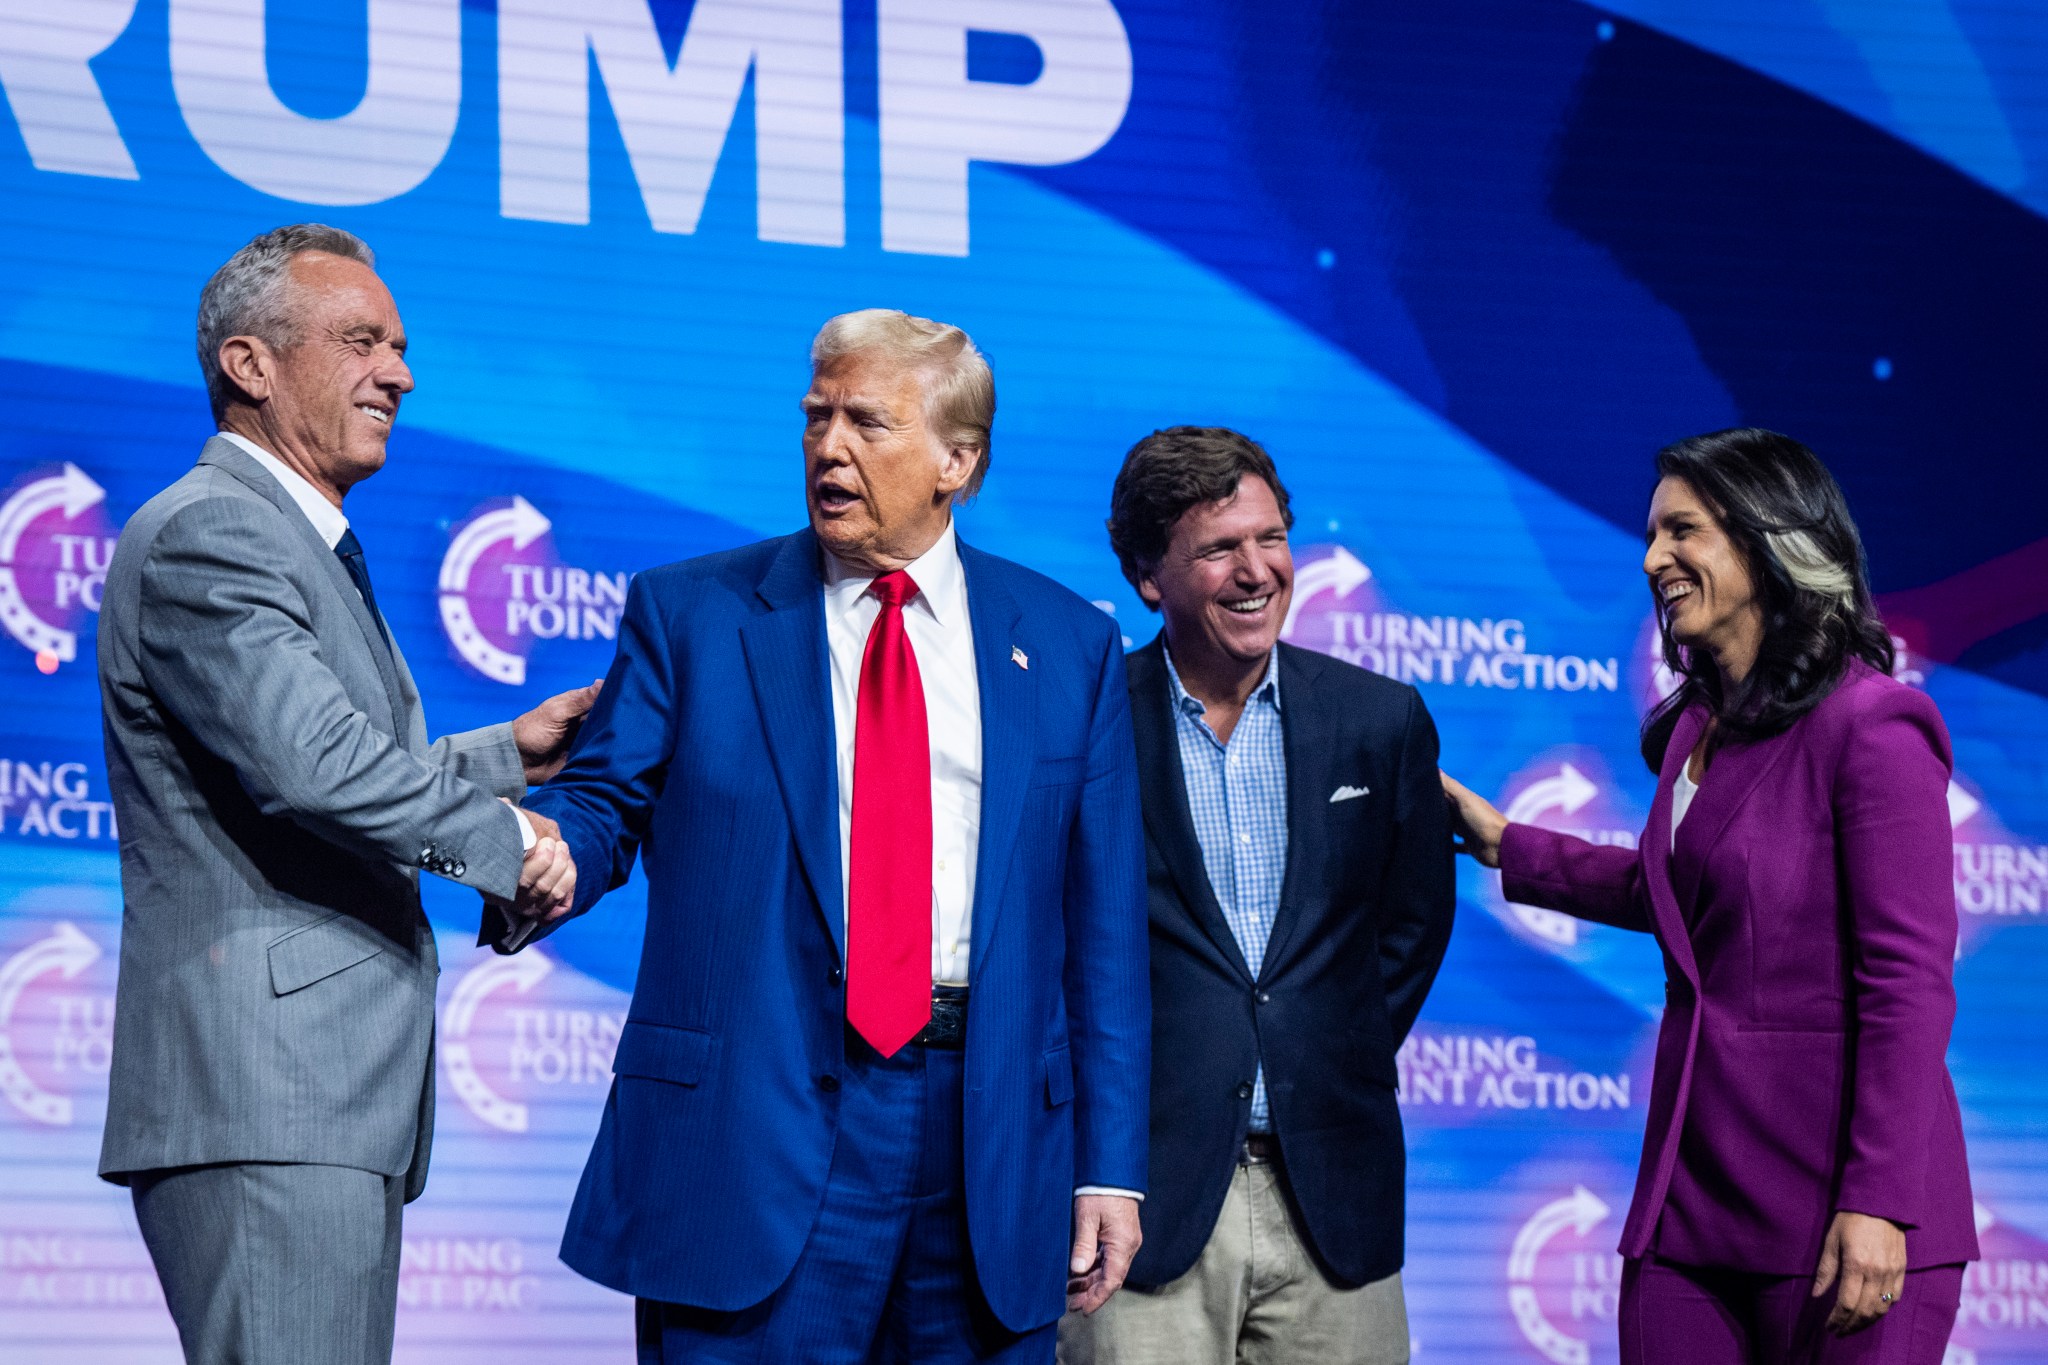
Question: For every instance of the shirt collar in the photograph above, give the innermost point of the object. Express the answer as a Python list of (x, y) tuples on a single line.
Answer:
[(328, 521), (941, 583), (1187, 703)]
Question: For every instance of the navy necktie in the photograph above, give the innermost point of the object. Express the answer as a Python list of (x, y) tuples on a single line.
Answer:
[(350, 551)]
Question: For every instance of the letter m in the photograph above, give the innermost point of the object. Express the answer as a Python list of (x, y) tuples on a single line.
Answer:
[(674, 120)]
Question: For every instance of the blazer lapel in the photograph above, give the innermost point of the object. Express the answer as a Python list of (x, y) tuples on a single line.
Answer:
[(1009, 717), (1734, 774), (1307, 744), (226, 455), (1165, 798), (1664, 905), (791, 675)]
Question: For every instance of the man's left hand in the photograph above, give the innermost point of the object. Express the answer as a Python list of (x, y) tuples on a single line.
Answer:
[(1106, 1237), (545, 733)]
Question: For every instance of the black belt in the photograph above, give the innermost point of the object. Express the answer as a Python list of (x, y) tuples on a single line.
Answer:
[(948, 1026), (1260, 1149)]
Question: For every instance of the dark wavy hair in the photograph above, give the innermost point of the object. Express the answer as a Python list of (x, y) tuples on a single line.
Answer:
[(1169, 472), (1791, 527)]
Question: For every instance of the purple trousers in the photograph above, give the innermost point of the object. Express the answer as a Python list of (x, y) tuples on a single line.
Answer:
[(1673, 1314)]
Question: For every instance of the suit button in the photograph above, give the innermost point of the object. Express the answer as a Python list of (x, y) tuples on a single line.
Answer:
[(835, 977), (1265, 998), (459, 868), (828, 1083), (1244, 1092)]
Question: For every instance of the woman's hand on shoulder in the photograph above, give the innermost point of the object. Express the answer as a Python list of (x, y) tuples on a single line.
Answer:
[(1868, 1254), (1476, 826)]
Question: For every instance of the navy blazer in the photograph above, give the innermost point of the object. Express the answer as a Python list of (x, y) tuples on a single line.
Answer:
[(710, 753), (1364, 918)]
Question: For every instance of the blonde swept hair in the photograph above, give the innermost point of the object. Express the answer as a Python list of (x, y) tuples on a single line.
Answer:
[(959, 389)]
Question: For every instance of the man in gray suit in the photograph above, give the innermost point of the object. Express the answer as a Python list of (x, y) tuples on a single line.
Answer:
[(272, 1097)]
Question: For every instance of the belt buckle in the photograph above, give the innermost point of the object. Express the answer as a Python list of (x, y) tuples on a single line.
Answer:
[(947, 1028)]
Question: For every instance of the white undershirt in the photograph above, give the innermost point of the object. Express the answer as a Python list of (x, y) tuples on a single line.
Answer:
[(1682, 792), (942, 637)]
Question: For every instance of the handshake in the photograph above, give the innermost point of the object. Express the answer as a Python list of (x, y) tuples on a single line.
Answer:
[(547, 884)]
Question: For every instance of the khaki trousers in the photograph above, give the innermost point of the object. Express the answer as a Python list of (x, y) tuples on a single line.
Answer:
[(1256, 1297)]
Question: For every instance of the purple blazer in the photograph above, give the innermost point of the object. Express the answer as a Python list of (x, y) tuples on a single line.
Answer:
[(1808, 922)]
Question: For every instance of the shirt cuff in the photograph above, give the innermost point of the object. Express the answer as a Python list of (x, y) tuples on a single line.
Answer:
[(527, 838), (1080, 1190)]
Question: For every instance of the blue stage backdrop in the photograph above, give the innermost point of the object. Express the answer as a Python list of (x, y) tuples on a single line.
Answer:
[(1462, 265)]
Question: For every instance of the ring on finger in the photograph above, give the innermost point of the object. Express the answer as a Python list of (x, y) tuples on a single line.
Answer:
[(1884, 1298)]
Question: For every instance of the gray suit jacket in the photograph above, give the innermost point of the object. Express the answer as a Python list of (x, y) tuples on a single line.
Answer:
[(277, 799)]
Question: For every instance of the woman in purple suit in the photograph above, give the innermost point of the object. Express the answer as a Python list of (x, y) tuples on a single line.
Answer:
[(1803, 1135)]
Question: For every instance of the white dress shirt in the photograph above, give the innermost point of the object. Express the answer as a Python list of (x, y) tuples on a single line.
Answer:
[(329, 523), (942, 637), (327, 519)]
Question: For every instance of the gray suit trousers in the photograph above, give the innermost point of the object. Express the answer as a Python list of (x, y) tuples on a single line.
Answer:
[(269, 1263)]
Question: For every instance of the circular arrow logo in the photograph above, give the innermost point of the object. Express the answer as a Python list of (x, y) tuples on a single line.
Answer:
[(1566, 792), (1581, 1211), (68, 951), (490, 540), (1331, 576), (522, 972), (53, 560)]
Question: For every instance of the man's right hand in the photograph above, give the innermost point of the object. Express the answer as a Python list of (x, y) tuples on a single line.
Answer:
[(547, 876)]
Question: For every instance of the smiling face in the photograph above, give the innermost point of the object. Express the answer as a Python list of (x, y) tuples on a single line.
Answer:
[(324, 403), (1702, 586), (878, 481), (1226, 578)]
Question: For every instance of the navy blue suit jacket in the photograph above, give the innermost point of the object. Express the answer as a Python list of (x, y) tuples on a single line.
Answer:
[(1364, 919), (710, 754)]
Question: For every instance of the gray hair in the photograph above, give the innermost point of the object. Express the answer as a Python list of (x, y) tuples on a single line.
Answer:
[(1810, 569), (959, 390), (249, 296)]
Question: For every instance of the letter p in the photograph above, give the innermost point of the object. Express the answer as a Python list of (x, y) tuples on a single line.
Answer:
[(935, 120)]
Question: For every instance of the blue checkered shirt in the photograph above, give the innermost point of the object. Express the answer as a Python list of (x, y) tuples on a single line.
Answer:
[(1237, 793)]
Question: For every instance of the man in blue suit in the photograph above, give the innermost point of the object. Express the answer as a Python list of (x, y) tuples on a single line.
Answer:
[(882, 1092)]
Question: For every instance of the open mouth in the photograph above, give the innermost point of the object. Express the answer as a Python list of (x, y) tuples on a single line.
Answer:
[(1250, 606), (1676, 591), (835, 499), (381, 416)]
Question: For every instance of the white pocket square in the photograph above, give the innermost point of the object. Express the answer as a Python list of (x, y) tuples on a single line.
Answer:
[(1349, 794)]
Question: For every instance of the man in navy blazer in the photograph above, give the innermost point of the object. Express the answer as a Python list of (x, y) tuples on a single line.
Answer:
[(1301, 894), (840, 753)]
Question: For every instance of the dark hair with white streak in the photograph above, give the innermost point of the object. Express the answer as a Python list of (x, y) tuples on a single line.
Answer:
[(251, 296), (1791, 526)]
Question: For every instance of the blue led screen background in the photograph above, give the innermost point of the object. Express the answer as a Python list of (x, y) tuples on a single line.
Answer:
[(1461, 265)]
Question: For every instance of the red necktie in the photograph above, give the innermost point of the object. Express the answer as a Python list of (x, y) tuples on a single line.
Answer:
[(889, 883)]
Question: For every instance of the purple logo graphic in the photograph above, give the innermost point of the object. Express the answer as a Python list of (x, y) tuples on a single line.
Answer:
[(2004, 1315), (2000, 878), (55, 545), (1564, 1288), (1570, 790), (503, 589)]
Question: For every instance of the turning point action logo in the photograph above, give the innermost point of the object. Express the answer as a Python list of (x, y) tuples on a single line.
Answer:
[(1593, 1289), (82, 1038), (1557, 793), (521, 1046), (1337, 612), (502, 588), (55, 545)]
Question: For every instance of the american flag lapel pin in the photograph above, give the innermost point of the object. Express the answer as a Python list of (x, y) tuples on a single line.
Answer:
[(1020, 658)]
